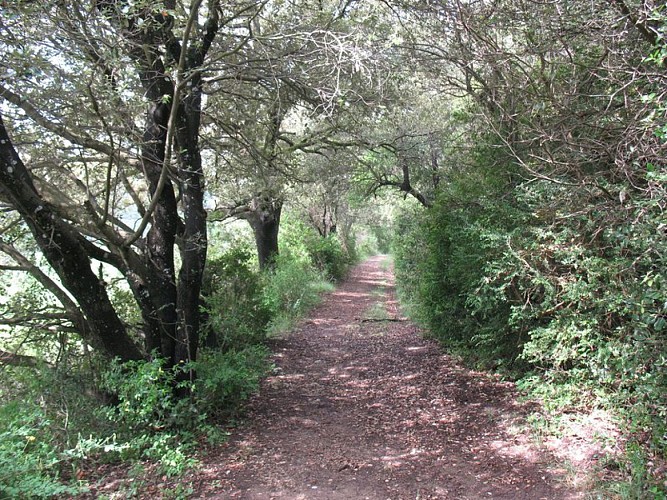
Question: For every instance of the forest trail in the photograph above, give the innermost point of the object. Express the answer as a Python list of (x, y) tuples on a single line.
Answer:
[(359, 406)]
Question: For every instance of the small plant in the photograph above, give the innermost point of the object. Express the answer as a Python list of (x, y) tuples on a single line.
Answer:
[(226, 379), (172, 452), (641, 480), (291, 289), (235, 313), (146, 398), (179, 492), (377, 311), (328, 256)]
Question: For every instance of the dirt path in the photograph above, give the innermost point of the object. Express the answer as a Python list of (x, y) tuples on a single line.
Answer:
[(360, 409)]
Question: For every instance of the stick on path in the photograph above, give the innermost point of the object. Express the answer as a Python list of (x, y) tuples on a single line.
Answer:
[(361, 409)]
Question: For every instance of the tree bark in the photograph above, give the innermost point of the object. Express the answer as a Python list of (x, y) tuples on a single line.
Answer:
[(264, 219), (172, 311), (194, 242)]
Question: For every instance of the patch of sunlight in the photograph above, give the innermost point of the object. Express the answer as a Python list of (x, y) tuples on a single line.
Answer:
[(374, 282), (320, 321), (361, 384), (583, 439), (356, 367), (294, 376), (377, 312), (351, 295), (305, 422), (398, 459)]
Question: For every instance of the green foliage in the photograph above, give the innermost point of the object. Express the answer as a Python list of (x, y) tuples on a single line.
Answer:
[(382, 234), (375, 239), (236, 315), (440, 259), (30, 458), (173, 451), (570, 297), (593, 301), (292, 286), (146, 398), (325, 255), (367, 245), (291, 289), (226, 379), (328, 256), (641, 483), (152, 423)]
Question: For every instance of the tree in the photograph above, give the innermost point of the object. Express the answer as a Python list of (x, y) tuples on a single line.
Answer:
[(283, 99), (414, 143), (103, 59), (554, 267)]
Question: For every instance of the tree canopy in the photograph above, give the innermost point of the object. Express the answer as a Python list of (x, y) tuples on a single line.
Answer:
[(518, 145)]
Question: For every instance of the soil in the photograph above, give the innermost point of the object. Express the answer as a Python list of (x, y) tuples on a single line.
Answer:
[(360, 406)]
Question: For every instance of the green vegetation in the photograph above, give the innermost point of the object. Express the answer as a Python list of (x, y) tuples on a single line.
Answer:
[(29, 455), (164, 211), (573, 308), (543, 257), (50, 426)]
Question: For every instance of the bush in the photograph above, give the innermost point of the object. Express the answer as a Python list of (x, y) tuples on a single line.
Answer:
[(291, 288), (236, 315), (30, 457), (328, 256), (226, 379), (440, 259), (571, 299), (43, 415), (146, 397), (325, 254)]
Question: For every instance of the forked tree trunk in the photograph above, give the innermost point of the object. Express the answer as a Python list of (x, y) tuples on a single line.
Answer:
[(173, 308), (169, 306), (193, 239), (64, 249)]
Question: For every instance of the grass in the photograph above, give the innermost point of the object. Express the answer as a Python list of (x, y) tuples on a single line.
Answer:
[(377, 311)]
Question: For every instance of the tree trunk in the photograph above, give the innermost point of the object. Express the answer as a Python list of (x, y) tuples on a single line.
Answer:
[(160, 276), (194, 241), (264, 219), (176, 310), (64, 250), (323, 218), (169, 69)]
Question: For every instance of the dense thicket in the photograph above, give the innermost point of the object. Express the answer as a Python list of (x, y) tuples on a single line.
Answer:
[(543, 254)]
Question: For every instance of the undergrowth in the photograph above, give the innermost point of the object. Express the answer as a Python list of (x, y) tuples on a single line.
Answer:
[(570, 303)]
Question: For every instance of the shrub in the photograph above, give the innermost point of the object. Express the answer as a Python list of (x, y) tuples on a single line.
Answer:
[(325, 254), (226, 379), (328, 256), (236, 314), (30, 457), (146, 398), (290, 286), (440, 259), (573, 299)]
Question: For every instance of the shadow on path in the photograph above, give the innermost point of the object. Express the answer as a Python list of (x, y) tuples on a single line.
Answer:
[(359, 409)]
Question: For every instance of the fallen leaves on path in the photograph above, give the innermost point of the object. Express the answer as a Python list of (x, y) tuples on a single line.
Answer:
[(369, 410)]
